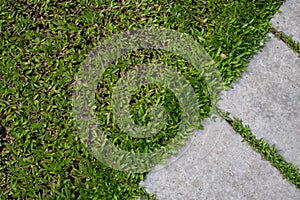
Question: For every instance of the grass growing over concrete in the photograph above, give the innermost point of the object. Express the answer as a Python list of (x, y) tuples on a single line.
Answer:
[(42, 46), (288, 170), (295, 46)]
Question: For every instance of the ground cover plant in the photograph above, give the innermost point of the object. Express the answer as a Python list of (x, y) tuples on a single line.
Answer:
[(42, 46)]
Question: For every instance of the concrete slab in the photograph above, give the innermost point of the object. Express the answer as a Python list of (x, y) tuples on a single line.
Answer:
[(219, 166), (267, 98), (288, 20)]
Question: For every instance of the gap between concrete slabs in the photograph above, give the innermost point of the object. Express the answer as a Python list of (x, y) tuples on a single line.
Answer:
[(229, 170)]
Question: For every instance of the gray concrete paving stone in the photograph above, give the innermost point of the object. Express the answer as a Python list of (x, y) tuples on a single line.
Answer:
[(288, 20)]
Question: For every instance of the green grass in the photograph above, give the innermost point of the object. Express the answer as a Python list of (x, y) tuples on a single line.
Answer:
[(42, 47)]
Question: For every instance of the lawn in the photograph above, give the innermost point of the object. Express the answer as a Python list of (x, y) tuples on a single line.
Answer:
[(43, 45)]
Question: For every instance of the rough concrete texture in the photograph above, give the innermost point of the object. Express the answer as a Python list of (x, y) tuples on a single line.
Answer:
[(267, 98), (288, 20), (219, 166)]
